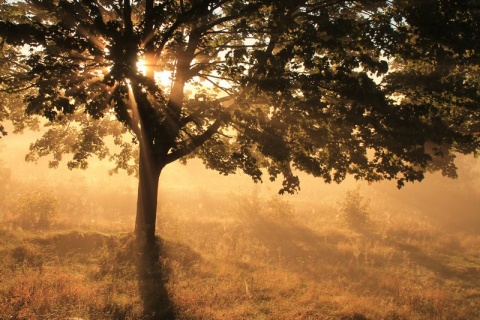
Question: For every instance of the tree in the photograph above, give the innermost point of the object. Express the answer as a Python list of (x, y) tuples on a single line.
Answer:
[(378, 89)]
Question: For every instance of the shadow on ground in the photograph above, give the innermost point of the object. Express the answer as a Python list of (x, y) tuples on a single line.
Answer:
[(153, 273), (152, 280), (151, 267)]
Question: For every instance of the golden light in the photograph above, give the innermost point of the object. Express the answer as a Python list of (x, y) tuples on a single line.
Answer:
[(141, 66), (162, 78)]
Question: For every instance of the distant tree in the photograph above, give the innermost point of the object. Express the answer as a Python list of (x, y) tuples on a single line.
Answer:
[(377, 89)]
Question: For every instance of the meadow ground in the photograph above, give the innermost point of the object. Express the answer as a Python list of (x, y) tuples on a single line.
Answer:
[(245, 257)]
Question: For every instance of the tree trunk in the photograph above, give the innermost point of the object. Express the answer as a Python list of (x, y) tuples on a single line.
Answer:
[(149, 175), (151, 278)]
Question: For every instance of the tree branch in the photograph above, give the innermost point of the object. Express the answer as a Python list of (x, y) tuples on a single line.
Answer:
[(127, 18), (16, 90), (215, 84), (324, 4), (198, 140)]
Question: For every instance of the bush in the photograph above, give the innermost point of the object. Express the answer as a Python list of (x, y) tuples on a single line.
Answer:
[(279, 209), (35, 210), (354, 209), (5, 175)]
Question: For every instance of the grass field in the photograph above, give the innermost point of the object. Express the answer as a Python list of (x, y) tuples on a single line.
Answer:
[(245, 257)]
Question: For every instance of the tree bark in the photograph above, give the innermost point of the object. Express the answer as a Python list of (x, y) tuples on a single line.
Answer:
[(151, 277), (149, 175)]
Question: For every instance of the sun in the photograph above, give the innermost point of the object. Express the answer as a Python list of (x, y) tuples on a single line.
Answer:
[(163, 78), (142, 66)]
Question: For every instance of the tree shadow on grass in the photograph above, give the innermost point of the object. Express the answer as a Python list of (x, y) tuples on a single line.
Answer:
[(465, 272), (152, 280), (151, 269), (154, 272)]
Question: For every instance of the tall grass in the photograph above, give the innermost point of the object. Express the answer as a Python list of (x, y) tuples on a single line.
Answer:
[(246, 257)]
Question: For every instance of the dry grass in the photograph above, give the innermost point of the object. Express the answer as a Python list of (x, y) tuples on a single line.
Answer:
[(248, 258), (62, 275)]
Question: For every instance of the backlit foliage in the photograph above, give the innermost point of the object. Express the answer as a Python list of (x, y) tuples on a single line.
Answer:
[(379, 89)]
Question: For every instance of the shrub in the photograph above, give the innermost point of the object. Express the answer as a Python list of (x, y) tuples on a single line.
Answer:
[(279, 209), (34, 210), (5, 175), (354, 209)]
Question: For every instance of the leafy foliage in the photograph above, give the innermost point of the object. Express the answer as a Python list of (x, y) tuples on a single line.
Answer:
[(378, 89)]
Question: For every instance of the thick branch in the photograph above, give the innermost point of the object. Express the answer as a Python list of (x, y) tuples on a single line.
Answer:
[(99, 21), (149, 18), (127, 18), (182, 75), (196, 142), (200, 139), (194, 116)]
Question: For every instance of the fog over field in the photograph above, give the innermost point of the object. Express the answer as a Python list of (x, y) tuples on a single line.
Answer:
[(233, 249), (450, 203)]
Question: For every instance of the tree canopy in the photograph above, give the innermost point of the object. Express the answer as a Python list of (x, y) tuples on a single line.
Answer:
[(377, 89)]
